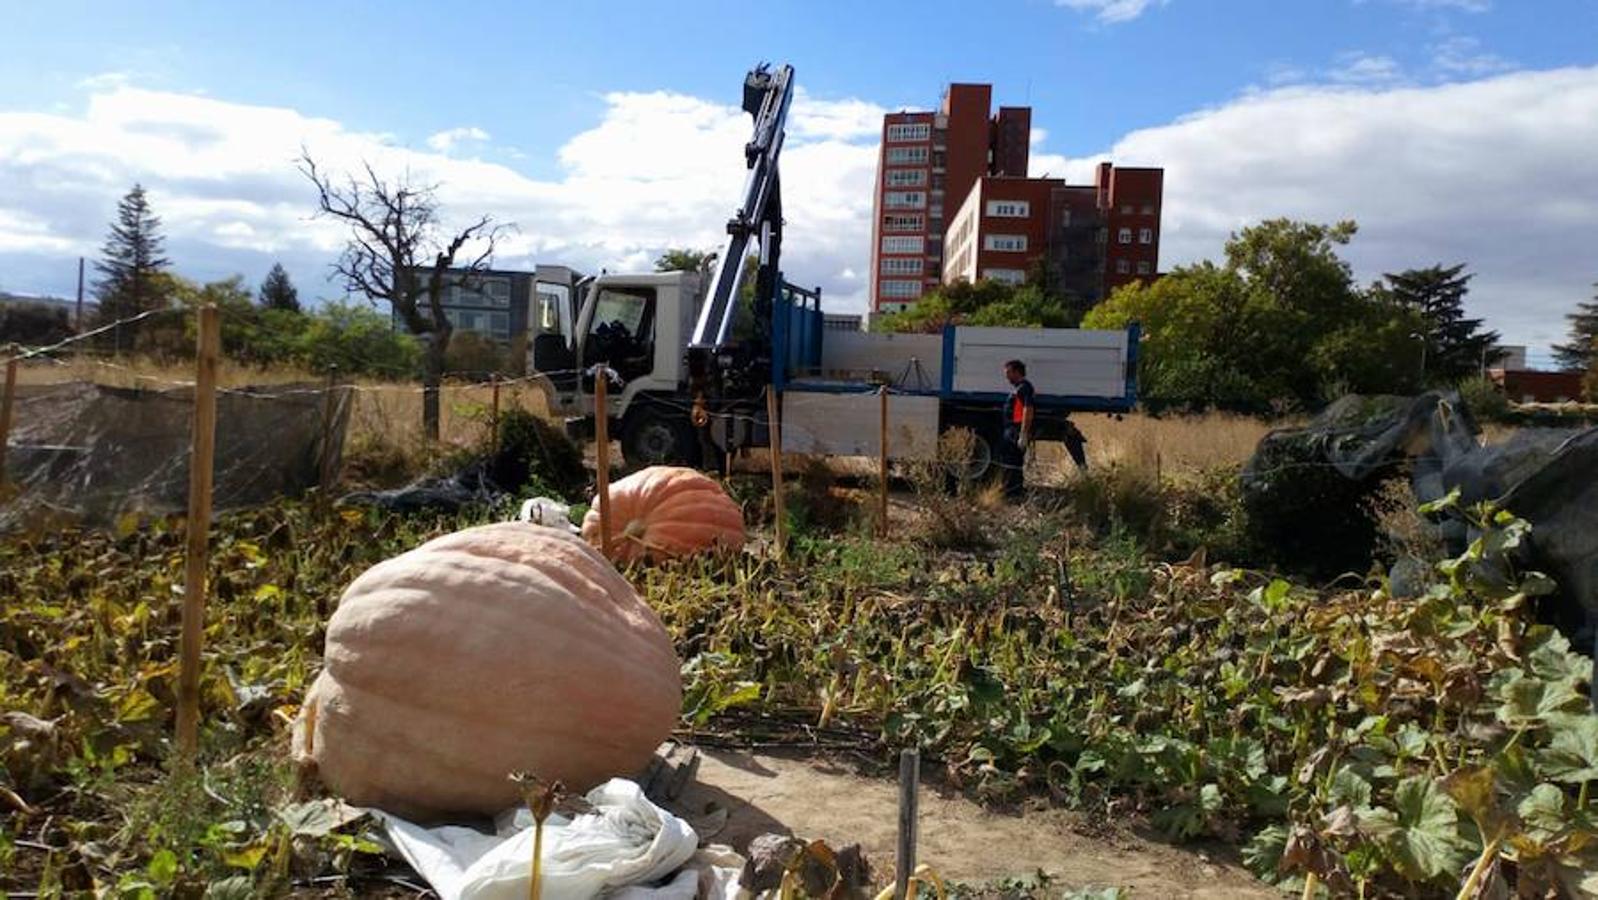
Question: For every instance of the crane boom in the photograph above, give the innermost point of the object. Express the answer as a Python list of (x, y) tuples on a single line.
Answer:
[(767, 96)]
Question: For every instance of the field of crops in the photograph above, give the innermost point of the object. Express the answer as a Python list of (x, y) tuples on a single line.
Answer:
[(1345, 741)]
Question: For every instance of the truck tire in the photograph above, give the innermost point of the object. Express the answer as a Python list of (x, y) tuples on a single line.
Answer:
[(657, 437)]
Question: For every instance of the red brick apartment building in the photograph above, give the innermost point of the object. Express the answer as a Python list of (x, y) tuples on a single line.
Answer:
[(953, 201)]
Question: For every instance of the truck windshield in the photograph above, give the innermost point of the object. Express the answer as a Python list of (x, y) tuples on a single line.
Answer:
[(626, 307)]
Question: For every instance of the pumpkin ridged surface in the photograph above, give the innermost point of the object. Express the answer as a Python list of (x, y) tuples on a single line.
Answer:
[(667, 511), (507, 647)]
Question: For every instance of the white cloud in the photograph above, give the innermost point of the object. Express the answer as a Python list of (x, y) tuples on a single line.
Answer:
[(1112, 11), (1474, 6), (658, 170), (445, 141), (1356, 67), (1477, 172), (1462, 56)]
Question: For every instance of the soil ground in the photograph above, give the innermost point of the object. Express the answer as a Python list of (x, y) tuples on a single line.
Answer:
[(832, 800)]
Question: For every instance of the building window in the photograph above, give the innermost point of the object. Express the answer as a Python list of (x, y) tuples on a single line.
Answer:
[(904, 199), (1065, 217), (1007, 276), (492, 292), (903, 245), (898, 288), (1148, 209), (1143, 267), (913, 132), (898, 265), (1122, 267), (499, 326), (1126, 209), (1007, 243), (907, 156), (907, 178), (1010, 209), (902, 223), (1145, 235), (1124, 236)]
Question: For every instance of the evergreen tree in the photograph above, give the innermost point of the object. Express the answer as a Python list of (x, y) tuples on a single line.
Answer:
[(129, 270), (278, 292), (1581, 353), (1456, 346)]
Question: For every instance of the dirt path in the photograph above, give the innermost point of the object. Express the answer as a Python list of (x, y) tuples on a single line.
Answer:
[(960, 840)]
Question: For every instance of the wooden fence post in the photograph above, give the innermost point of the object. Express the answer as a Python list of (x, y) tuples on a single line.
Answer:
[(882, 461), (904, 863), (602, 453), (325, 471), (774, 427), (493, 416), (199, 525), (6, 402)]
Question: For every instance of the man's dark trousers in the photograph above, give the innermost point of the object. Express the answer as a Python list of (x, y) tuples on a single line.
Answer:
[(1012, 461)]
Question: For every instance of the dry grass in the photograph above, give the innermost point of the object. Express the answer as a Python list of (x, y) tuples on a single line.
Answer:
[(1170, 445), (386, 414)]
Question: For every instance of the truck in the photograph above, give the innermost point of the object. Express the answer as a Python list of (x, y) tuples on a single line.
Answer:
[(689, 356)]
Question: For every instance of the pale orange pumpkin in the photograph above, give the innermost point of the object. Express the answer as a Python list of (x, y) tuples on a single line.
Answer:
[(498, 649), (667, 511)]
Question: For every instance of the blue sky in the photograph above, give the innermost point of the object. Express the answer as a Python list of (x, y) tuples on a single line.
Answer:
[(555, 107)]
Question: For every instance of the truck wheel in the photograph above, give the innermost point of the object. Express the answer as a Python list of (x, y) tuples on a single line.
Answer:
[(655, 438)]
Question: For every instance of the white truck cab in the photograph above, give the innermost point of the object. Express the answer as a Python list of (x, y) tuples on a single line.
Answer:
[(637, 325)]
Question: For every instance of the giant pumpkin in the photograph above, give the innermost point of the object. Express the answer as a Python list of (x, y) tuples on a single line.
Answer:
[(503, 648), (667, 511)]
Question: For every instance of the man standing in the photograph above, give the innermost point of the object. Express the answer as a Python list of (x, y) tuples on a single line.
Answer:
[(1017, 433)]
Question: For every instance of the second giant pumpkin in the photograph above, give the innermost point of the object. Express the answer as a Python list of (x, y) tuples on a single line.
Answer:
[(667, 511), (497, 649)]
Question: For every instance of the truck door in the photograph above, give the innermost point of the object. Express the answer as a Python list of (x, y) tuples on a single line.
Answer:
[(550, 326)]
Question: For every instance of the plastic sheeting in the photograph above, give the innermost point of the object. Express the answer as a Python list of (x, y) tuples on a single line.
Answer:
[(626, 847), (1549, 477), (92, 453)]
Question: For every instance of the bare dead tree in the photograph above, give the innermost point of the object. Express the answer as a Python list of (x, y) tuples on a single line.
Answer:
[(397, 253)]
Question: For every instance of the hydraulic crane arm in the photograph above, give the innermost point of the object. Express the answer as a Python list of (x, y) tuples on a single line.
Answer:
[(767, 96)]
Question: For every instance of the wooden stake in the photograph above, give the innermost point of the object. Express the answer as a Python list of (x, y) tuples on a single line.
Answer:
[(602, 454), (909, 783), (325, 475), (774, 427), (882, 461), (493, 415), (199, 525), (6, 402)]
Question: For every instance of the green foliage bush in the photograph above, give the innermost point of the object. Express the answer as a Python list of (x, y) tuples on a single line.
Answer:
[(536, 458)]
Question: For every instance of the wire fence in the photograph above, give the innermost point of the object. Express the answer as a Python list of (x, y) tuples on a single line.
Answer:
[(128, 415)]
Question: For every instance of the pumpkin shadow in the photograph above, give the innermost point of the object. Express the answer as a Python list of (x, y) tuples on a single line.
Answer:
[(722, 817)]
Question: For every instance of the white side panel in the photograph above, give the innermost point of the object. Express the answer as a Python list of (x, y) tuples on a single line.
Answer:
[(1060, 361), (851, 425), (910, 361)]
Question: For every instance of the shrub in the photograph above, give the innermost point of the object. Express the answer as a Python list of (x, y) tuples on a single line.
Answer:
[(536, 456), (1484, 399), (956, 513)]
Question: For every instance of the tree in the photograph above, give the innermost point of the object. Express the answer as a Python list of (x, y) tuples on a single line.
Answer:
[(682, 259), (984, 303), (34, 324), (358, 340), (397, 253), (1580, 353), (1455, 347), (1280, 323), (278, 292), (132, 259)]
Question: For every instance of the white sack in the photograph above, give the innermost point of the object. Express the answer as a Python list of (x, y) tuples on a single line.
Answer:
[(625, 841)]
